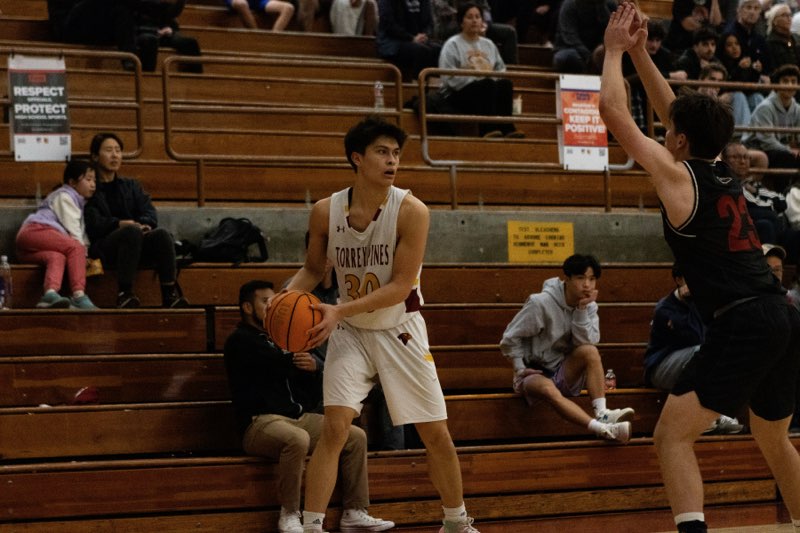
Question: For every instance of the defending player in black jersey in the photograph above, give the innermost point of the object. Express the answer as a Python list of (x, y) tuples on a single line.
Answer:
[(752, 351)]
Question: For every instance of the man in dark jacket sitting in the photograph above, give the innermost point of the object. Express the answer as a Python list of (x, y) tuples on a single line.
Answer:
[(274, 395)]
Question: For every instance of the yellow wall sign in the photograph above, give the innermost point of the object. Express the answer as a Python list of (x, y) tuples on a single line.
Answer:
[(539, 242)]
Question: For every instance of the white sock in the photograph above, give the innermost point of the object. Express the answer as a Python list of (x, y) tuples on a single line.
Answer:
[(312, 521), (78, 294), (48, 291), (599, 405), (596, 427), (688, 517), (455, 514), (796, 524)]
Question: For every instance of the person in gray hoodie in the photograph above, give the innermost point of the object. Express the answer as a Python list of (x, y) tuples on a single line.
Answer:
[(778, 110), (551, 343)]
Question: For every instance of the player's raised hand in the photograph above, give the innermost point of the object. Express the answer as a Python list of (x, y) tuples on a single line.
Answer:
[(622, 32)]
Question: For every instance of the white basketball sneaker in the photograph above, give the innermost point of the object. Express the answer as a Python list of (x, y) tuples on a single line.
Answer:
[(612, 416), (359, 521)]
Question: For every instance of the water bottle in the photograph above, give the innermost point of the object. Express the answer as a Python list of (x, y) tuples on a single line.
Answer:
[(6, 283), (378, 95), (611, 379)]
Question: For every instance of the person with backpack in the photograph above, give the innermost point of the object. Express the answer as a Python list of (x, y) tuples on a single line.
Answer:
[(123, 227)]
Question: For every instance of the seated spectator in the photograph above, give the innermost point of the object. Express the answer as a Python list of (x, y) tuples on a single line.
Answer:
[(676, 333), (701, 53), (740, 69), (274, 393), (579, 34), (551, 343), (483, 95), (123, 227), (95, 22), (779, 110), (284, 11), (354, 17), (535, 21), (405, 35), (740, 108), (662, 58), (766, 207), (157, 26), (689, 16), (502, 35), (55, 236), (753, 43), (781, 44)]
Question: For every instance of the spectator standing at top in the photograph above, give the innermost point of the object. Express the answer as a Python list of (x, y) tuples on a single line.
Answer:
[(579, 33), (123, 227), (405, 35)]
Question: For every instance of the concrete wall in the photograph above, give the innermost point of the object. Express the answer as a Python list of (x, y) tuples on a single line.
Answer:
[(455, 236)]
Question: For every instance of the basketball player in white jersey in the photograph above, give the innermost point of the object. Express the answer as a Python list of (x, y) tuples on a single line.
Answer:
[(375, 234)]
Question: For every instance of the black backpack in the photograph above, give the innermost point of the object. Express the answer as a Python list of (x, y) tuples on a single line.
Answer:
[(230, 242)]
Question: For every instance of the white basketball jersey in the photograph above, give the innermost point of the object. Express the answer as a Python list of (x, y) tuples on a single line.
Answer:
[(364, 260)]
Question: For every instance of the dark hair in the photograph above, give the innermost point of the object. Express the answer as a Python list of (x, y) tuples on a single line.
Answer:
[(365, 132), (655, 30), (788, 69), (706, 122), (704, 34), (676, 271), (706, 71), (75, 169), (463, 8), (97, 141), (248, 291), (577, 264)]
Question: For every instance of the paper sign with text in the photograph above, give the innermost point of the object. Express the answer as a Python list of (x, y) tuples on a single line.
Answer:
[(582, 138), (39, 113), (540, 242)]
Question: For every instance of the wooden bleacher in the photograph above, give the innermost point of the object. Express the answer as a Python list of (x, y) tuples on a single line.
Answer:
[(161, 387)]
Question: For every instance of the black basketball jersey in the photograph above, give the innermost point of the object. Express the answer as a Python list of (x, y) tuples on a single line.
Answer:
[(717, 248)]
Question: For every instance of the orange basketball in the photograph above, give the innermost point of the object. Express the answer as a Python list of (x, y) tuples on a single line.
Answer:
[(289, 318)]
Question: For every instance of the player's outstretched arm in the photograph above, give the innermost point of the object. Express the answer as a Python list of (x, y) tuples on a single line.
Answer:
[(670, 178)]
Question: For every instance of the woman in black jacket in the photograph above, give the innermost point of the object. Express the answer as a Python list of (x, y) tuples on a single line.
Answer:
[(123, 227)]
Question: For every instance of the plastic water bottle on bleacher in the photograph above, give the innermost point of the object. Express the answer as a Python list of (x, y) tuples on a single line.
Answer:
[(6, 283), (378, 95), (611, 379)]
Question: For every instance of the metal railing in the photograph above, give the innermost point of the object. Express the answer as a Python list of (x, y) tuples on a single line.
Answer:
[(135, 104), (483, 164), (173, 105)]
